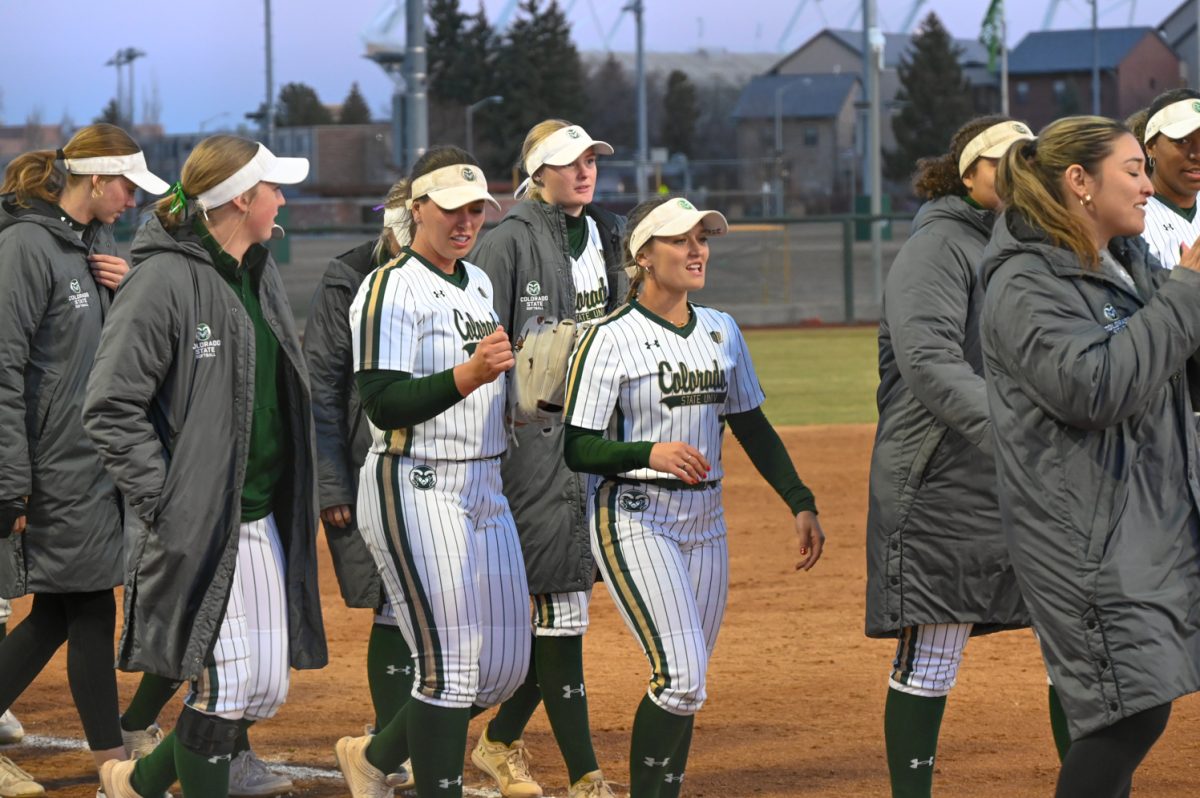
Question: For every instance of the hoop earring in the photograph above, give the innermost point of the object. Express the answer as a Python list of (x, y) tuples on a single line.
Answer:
[(1150, 162)]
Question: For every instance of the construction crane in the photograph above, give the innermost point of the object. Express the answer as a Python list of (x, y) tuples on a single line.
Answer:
[(912, 16), (787, 29)]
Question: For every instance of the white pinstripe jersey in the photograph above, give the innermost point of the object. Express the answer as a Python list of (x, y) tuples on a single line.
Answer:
[(643, 379), (590, 278), (408, 317), (1166, 230)]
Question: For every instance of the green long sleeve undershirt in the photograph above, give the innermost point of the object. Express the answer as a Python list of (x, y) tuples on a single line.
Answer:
[(394, 399), (588, 450)]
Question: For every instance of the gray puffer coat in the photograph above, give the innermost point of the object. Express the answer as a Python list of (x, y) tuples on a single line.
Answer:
[(528, 259), (51, 313), (169, 407), (1096, 452), (935, 548), (343, 435)]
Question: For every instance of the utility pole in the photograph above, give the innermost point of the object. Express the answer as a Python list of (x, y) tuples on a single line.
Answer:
[(416, 80), (269, 106), (637, 7), (1095, 58), (132, 54), (1003, 61), (872, 64), (118, 61)]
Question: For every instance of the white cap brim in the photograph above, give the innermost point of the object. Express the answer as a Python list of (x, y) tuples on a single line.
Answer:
[(993, 143), (569, 153), (1175, 121), (449, 199), (132, 166), (452, 187), (673, 218), (264, 167)]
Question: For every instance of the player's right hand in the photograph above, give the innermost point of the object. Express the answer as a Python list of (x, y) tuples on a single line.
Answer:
[(681, 460), (1189, 257), (12, 516), (492, 357), (338, 516)]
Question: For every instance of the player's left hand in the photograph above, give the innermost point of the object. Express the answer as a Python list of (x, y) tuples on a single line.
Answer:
[(811, 538), (338, 516), (108, 270)]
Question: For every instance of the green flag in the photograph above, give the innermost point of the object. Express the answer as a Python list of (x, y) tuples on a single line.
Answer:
[(989, 33)]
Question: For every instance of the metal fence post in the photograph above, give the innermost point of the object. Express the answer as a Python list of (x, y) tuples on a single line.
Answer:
[(848, 269)]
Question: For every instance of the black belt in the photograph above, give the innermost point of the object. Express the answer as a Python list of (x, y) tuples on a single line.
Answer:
[(665, 484)]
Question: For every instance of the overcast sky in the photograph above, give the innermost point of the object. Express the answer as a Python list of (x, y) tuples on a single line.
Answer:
[(206, 59)]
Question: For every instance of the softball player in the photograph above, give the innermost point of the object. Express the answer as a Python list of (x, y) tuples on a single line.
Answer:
[(556, 254), (938, 569), (431, 359), (343, 438), (60, 525), (663, 376), (221, 580), (1172, 145)]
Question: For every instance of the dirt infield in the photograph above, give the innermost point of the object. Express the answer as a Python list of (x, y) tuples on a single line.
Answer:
[(795, 693)]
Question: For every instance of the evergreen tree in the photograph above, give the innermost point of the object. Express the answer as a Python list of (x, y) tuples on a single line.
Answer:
[(354, 108), (935, 97), (539, 73), (610, 112), (298, 105), (111, 113), (679, 114), (444, 40)]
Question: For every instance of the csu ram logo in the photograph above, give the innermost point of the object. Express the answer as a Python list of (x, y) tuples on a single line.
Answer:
[(634, 501), (422, 477), (203, 332)]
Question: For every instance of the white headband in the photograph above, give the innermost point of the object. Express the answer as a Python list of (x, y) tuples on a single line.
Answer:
[(263, 167), (452, 187), (560, 148), (1176, 121), (397, 220), (132, 166), (992, 143)]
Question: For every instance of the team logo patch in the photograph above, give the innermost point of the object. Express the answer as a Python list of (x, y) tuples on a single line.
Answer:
[(1024, 131), (573, 132), (715, 335), (76, 287), (468, 174), (1196, 107), (422, 477), (687, 206), (533, 288), (634, 501), (78, 297), (1110, 312), (205, 346)]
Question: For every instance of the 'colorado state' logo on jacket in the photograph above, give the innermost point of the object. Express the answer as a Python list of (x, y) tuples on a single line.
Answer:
[(205, 345)]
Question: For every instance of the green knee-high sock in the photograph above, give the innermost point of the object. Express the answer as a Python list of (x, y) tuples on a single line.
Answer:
[(242, 743), (201, 776), (155, 772), (671, 789), (910, 728), (437, 740), (152, 695), (654, 750), (514, 714), (560, 676), (389, 747), (1058, 725), (389, 671)]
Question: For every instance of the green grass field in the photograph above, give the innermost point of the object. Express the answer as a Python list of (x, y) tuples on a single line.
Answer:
[(817, 376)]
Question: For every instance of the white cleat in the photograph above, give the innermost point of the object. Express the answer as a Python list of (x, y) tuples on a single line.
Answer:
[(249, 776), (11, 730)]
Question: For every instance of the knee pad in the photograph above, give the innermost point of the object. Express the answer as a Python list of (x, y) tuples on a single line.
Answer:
[(928, 657), (206, 735)]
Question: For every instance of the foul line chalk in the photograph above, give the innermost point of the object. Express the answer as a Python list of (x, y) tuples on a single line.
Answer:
[(291, 771)]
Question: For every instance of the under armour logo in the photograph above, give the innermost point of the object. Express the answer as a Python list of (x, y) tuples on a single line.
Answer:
[(673, 778), (1168, 226), (392, 670), (651, 762), (916, 763), (570, 693), (446, 784), (440, 294), (212, 760), (652, 343)]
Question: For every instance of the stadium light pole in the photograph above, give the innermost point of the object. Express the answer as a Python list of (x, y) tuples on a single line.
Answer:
[(637, 7), (415, 78), (471, 109), (873, 42), (1095, 58), (269, 112)]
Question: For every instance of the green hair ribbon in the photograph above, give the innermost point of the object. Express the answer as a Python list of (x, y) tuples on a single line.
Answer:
[(180, 199)]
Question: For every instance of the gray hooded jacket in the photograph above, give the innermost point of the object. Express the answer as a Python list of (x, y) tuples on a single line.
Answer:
[(51, 312), (935, 548), (343, 435), (169, 407), (528, 260), (1096, 453)]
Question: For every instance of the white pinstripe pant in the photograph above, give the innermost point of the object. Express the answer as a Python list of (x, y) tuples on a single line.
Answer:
[(446, 546), (5, 610), (664, 557), (928, 657), (249, 675), (561, 614)]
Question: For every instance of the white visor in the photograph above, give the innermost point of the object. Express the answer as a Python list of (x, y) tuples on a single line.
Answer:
[(1176, 121), (560, 148), (264, 167), (452, 187), (397, 220), (132, 166), (672, 218), (992, 143)]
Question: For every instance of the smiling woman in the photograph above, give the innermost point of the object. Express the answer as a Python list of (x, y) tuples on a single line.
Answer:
[(1172, 138)]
